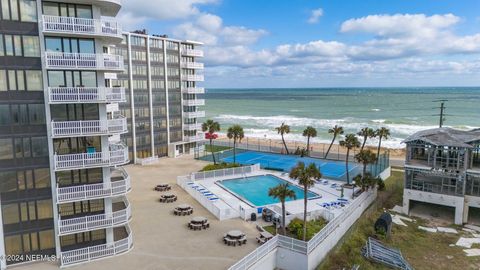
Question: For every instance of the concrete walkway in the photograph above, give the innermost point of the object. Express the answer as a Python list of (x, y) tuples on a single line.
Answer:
[(162, 240)]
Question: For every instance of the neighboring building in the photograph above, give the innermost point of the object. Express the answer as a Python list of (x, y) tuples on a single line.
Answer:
[(163, 95), (442, 167), (61, 190)]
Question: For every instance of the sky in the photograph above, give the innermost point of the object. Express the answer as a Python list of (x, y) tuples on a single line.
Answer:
[(328, 43)]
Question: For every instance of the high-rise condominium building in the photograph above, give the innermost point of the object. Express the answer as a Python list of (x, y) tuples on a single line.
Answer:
[(163, 98), (62, 191)]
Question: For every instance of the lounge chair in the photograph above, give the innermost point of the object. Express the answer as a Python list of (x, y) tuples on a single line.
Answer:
[(213, 199)]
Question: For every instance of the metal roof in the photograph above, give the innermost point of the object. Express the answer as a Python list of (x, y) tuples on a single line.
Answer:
[(446, 136)]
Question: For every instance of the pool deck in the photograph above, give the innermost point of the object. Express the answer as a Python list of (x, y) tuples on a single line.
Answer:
[(229, 199), (161, 240)]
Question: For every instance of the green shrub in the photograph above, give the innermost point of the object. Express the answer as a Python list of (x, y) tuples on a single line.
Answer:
[(295, 228), (219, 166)]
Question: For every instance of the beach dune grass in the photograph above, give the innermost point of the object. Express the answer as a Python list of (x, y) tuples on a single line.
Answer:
[(423, 250)]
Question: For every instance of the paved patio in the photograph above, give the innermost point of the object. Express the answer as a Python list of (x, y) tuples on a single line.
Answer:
[(162, 240)]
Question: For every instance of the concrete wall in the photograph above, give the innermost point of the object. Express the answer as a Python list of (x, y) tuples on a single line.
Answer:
[(290, 260), (434, 198), (386, 173)]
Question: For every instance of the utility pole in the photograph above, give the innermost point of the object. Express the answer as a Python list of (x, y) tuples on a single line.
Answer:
[(442, 111)]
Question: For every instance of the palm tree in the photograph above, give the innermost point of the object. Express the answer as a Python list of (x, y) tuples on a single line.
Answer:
[(365, 157), (366, 133), (283, 129), (381, 133), (336, 130), (282, 192), (235, 132), (350, 141), (309, 132), (211, 127), (306, 177)]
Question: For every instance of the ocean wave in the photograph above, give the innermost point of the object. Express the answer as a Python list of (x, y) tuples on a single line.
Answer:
[(264, 127)]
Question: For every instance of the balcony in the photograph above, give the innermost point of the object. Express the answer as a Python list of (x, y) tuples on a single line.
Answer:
[(89, 61), (119, 185), (194, 138), (192, 65), (117, 155), (192, 52), (80, 27), (196, 126), (194, 102), (120, 215), (87, 254), (196, 114), (193, 90), (65, 129), (193, 78), (64, 95)]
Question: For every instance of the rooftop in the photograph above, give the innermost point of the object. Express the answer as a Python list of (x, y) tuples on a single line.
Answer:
[(446, 136)]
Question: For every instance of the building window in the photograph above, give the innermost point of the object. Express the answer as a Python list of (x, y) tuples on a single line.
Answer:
[(67, 10), (16, 45), (39, 147), (6, 149), (19, 10)]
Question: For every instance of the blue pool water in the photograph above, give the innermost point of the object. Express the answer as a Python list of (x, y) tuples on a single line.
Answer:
[(255, 189), (330, 169)]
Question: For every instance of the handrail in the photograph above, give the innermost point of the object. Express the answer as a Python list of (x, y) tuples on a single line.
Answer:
[(86, 94), (89, 127), (94, 222), (84, 60), (93, 191), (117, 155), (101, 27), (87, 254)]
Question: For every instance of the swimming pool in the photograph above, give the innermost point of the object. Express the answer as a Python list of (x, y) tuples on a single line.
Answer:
[(335, 170), (254, 189)]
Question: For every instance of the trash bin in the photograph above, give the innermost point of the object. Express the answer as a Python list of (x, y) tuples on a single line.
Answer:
[(253, 217)]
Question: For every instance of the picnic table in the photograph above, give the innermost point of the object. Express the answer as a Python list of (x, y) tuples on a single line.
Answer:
[(234, 237), (168, 198), (264, 237), (182, 210), (163, 187), (199, 223)]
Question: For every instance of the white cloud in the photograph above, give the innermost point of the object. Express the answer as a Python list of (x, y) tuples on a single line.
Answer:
[(134, 13), (209, 29), (315, 15)]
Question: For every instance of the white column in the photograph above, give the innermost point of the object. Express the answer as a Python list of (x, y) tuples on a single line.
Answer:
[(150, 97), (166, 90), (48, 120), (132, 105)]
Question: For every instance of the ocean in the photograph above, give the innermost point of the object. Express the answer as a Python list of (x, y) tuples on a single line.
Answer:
[(402, 110)]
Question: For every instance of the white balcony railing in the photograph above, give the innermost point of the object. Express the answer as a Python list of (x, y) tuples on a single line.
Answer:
[(196, 126), (81, 26), (89, 127), (193, 90), (117, 155), (192, 52), (95, 191), (193, 78), (95, 222), (194, 102), (195, 138), (87, 254), (196, 114), (84, 61), (192, 65), (62, 95)]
